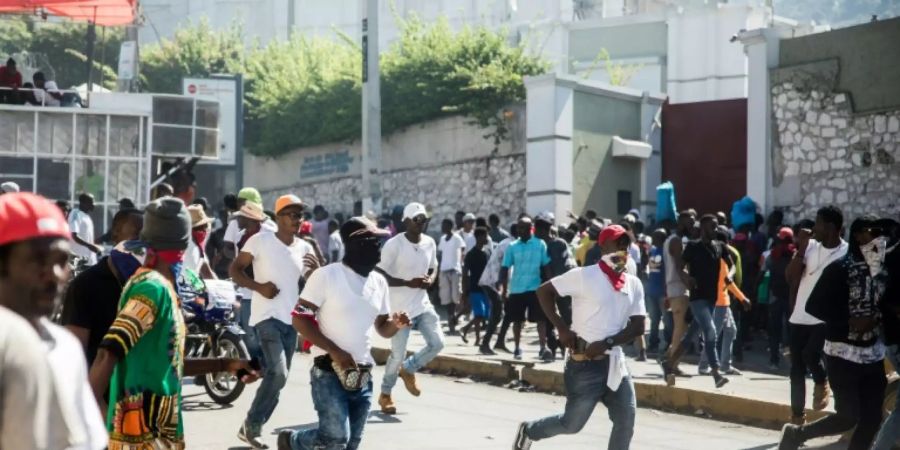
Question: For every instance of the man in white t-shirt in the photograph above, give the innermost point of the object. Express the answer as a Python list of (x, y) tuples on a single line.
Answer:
[(450, 247), (279, 261), (195, 255), (233, 231), (82, 227), (607, 311), (409, 262), (817, 248), (33, 267), (339, 307), (46, 91), (335, 242), (468, 231)]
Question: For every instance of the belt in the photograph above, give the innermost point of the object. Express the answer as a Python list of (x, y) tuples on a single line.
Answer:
[(579, 357)]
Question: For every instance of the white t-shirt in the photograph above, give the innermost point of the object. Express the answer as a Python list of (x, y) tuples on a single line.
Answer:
[(598, 310), (47, 99), (348, 305), (282, 265), (192, 257), (336, 244), (77, 404), (816, 259), (451, 257), (468, 239), (402, 259), (80, 223), (233, 233), (27, 394)]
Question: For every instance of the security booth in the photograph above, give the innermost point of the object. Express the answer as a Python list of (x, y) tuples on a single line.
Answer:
[(111, 150)]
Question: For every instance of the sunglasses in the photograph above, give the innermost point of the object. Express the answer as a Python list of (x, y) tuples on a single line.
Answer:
[(292, 215), (420, 219)]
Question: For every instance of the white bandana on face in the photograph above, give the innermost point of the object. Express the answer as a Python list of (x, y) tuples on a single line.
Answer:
[(874, 252)]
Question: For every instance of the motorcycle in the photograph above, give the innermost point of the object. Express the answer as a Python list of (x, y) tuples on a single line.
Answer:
[(212, 332)]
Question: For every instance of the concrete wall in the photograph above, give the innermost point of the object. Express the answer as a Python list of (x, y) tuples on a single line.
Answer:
[(869, 57), (597, 175), (446, 164)]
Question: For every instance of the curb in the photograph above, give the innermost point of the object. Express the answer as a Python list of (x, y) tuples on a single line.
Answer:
[(723, 407)]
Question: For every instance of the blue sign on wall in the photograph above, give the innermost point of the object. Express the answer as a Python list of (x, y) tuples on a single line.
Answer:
[(325, 164)]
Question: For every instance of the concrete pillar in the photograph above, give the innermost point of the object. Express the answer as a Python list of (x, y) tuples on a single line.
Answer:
[(548, 151), (651, 168), (761, 47)]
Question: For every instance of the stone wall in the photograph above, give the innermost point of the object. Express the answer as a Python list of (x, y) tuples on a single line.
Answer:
[(481, 186), (824, 153)]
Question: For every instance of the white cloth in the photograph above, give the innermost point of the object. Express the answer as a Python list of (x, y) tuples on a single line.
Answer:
[(193, 259), (280, 264), (599, 311), (451, 257), (77, 405), (402, 259), (27, 395), (853, 353), (44, 98), (335, 244), (468, 239), (80, 223), (491, 275), (816, 259), (348, 306), (233, 233)]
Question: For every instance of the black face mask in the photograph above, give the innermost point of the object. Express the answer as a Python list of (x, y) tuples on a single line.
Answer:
[(362, 255)]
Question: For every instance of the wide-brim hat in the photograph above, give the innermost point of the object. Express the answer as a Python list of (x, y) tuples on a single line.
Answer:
[(198, 216)]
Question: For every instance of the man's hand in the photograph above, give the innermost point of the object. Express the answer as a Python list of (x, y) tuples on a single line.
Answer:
[(268, 290), (237, 365), (343, 359), (427, 281), (98, 250), (746, 305), (311, 261), (803, 237), (401, 319), (419, 282), (863, 324), (596, 349), (567, 337)]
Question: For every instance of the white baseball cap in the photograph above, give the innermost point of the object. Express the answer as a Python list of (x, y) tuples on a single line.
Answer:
[(468, 217), (414, 209), (547, 217), (9, 187)]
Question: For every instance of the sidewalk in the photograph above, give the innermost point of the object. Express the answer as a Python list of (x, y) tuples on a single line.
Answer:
[(757, 398)]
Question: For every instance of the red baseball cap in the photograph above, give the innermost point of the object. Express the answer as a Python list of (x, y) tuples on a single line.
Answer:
[(25, 216), (612, 232), (786, 234)]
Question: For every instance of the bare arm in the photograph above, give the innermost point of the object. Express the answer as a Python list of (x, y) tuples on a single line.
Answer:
[(229, 250), (101, 372), (634, 329), (393, 282), (547, 296), (677, 252), (238, 274), (388, 326), (94, 247), (206, 271), (504, 280)]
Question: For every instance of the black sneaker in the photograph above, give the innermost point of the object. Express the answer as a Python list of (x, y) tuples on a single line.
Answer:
[(668, 374), (501, 348), (284, 440), (720, 381), (522, 442), (251, 437), (790, 437), (486, 351), (547, 356)]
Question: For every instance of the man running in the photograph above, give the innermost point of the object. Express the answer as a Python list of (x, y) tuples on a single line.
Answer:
[(408, 262), (490, 280), (279, 261), (607, 311), (528, 260), (339, 306)]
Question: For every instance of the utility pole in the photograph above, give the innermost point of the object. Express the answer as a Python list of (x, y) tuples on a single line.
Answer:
[(371, 109)]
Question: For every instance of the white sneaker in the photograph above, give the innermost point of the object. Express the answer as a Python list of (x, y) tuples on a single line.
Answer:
[(704, 370), (522, 442)]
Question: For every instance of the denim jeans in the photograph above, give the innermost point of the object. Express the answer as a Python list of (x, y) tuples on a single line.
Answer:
[(725, 326), (342, 415), (655, 309), (890, 430), (703, 322), (585, 386), (429, 324), (278, 341)]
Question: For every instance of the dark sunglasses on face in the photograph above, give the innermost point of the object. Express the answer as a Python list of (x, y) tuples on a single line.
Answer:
[(420, 219)]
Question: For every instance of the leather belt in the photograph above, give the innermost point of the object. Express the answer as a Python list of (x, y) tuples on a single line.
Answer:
[(582, 357)]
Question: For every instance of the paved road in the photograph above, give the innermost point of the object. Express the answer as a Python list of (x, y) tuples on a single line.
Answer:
[(459, 414)]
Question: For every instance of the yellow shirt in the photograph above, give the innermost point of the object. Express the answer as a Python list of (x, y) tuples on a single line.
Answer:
[(583, 247)]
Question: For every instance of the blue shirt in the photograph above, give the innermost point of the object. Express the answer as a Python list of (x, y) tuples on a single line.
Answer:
[(656, 281), (526, 259)]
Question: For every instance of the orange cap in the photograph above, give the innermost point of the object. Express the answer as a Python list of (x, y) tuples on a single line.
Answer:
[(287, 200)]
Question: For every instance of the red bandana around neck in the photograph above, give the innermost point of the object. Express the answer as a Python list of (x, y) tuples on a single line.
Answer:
[(616, 279)]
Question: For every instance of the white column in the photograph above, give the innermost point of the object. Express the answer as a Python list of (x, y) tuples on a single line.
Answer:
[(548, 152), (761, 46), (371, 110)]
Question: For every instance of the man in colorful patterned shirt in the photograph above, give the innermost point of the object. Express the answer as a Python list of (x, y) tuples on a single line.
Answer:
[(141, 358)]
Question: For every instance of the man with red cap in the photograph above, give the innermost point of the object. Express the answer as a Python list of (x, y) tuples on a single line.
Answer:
[(607, 311), (34, 255)]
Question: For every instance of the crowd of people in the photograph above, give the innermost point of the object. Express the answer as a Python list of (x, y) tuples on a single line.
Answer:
[(40, 91), (592, 286)]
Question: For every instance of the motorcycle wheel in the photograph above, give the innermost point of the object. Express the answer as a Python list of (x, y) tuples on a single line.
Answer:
[(225, 387)]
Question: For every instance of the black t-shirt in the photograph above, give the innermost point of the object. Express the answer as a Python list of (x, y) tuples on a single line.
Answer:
[(476, 260), (704, 262), (92, 302)]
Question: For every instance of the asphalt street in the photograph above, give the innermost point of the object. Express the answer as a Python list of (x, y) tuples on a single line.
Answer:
[(461, 414)]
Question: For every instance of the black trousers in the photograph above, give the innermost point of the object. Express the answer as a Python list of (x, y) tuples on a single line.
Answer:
[(858, 398), (806, 355), (496, 315)]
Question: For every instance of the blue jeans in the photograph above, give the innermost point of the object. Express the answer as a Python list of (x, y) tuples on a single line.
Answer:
[(429, 324), (655, 310), (890, 429), (585, 386), (703, 322), (278, 342), (342, 415), (725, 326)]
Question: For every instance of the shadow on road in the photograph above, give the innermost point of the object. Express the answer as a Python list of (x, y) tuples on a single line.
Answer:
[(188, 404), (375, 417)]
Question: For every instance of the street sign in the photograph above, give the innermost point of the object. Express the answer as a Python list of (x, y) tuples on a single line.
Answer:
[(127, 59)]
